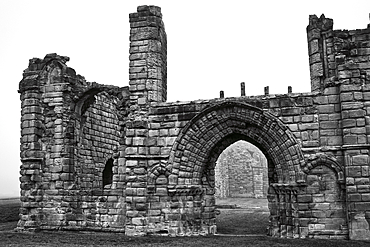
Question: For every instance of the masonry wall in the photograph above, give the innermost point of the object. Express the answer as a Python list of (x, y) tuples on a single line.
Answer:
[(70, 129), (97, 136), (300, 112), (345, 63)]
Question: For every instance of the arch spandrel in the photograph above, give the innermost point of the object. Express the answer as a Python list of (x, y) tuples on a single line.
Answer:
[(192, 149)]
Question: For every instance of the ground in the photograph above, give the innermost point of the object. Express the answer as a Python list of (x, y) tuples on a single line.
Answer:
[(241, 222)]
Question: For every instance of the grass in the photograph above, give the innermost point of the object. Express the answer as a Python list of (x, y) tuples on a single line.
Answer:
[(237, 222), (242, 222), (9, 212)]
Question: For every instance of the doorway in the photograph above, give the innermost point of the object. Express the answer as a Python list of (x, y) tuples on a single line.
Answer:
[(241, 185)]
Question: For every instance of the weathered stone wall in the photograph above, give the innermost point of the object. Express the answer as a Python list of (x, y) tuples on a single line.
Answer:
[(241, 171), (70, 129), (122, 159), (97, 135), (344, 64)]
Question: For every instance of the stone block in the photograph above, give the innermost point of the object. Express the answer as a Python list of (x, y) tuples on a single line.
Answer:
[(359, 160), (293, 127), (346, 97), (151, 141), (363, 188), (347, 123), (326, 108), (354, 171), (365, 170), (365, 197), (350, 140), (66, 176), (161, 191), (138, 141), (307, 118), (165, 150), (313, 47), (310, 143), (358, 130), (290, 111), (153, 133), (154, 150), (328, 124), (308, 126), (138, 221), (304, 198), (360, 122), (356, 113), (362, 206), (354, 197), (334, 140), (131, 163), (316, 70), (352, 105), (131, 150)]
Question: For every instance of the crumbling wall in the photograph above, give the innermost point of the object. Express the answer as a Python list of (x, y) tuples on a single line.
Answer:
[(98, 181), (70, 130)]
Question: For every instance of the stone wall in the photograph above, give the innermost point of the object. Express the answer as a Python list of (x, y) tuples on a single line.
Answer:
[(70, 129), (98, 157)]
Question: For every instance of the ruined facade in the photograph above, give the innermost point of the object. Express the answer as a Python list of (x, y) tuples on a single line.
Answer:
[(104, 158)]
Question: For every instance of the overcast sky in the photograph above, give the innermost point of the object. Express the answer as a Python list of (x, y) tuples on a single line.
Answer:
[(212, 46)]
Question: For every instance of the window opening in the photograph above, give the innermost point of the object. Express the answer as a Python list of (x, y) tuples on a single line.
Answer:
[(108, 173)]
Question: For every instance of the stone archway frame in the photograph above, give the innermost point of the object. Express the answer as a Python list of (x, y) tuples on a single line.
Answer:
[(85, 100), (156, 171), (192, 149), (325, 160)]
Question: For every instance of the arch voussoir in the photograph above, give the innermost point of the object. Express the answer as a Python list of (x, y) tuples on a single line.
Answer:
[(212, 125)]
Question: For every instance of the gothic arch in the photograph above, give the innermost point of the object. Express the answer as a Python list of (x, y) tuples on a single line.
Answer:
[(201, 140), (85, 101)]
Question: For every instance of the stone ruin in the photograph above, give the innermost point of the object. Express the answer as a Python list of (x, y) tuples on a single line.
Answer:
[(122, 159)]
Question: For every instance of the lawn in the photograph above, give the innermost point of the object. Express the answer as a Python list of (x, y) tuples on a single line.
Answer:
[(235, 222)]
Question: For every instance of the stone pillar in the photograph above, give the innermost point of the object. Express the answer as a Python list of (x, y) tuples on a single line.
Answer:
[(242, 89), (266, 89), (31, 154), (317, 50), (148, 57), (47, 142), (148, 84), (222, 95)]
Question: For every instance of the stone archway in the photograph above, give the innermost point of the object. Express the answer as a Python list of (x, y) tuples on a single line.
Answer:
[(194, 154), (225, 123)]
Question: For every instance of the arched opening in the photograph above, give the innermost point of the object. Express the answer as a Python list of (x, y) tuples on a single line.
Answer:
[(196, 150), (241, 172), (241, 187), (108, 173)]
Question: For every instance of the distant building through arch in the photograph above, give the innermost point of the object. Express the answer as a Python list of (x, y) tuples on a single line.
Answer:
[(241, 171)]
